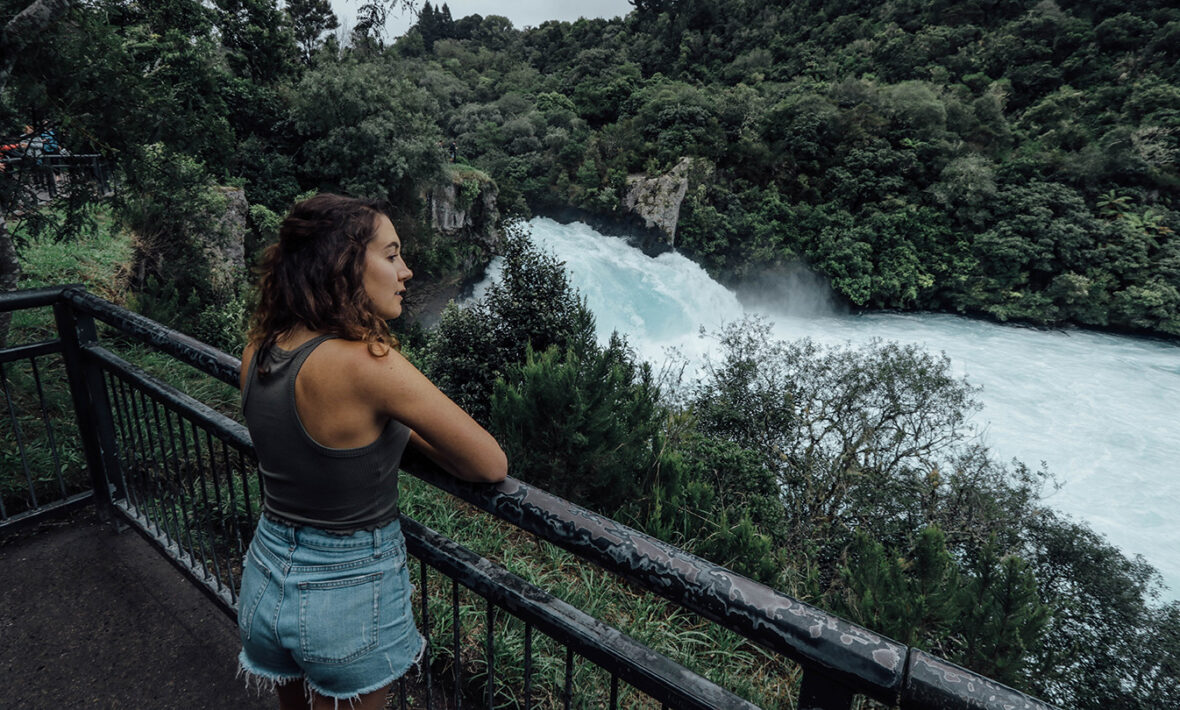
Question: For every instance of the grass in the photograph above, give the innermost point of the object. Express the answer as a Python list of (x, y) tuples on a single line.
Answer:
[(101, 259), (706, 648)]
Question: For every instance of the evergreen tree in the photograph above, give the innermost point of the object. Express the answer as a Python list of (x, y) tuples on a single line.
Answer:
[(310, 19)]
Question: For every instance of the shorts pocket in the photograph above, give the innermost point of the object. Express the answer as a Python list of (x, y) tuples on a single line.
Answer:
[(338, 618), (255, 580)]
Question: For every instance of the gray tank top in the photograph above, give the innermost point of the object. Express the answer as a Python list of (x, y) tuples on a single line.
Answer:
[(305, 483)]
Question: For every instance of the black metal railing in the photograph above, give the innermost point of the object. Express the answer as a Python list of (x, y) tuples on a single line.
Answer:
[(40, 178), (184, 476), (40, 455)]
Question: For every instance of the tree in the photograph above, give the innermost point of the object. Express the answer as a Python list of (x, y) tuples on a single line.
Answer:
[(582, 426), (876, 438), (366, 131), (23, 28), (259, 41), (310, 19), (530, 305)]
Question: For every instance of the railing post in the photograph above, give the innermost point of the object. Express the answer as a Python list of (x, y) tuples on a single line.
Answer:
[(91, 406), (819, 693)]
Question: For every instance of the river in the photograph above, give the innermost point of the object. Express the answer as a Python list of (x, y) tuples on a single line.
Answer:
[(1098, 409)]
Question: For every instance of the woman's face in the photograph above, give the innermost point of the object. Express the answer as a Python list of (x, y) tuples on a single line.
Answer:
[(386, 273)]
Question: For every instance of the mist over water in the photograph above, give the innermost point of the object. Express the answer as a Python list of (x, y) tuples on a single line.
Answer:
[(1100, 410)]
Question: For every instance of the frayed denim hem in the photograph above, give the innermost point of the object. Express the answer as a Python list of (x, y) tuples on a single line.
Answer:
[(264, 682), (258, 681), (394, 674)]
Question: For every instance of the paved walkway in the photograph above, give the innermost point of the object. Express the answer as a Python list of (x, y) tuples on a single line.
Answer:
[(94, 619)]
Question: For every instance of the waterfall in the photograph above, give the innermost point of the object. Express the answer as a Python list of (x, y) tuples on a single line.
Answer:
[(1098, 409)]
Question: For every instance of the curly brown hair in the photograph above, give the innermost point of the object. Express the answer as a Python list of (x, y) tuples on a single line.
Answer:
[(314, 275)]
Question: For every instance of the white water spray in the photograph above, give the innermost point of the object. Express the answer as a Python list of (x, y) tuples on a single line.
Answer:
[(1100, 410)]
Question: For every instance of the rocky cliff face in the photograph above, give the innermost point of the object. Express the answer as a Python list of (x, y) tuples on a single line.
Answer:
[(224, 246), (466, 209), (657, 199)]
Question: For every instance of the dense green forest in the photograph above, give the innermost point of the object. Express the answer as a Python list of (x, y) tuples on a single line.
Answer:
[(1012, 159)]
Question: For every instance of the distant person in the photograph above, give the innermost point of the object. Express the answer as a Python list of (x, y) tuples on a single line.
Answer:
[(454, 150), (49, 144), (325, 605)]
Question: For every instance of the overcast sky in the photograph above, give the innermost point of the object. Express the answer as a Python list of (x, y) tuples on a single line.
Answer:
[(523, 13)]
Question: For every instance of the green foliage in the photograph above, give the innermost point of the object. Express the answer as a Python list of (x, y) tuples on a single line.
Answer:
[(257, 41), (581, 426), (97, 257), (377, 139), (184, 272), (1103, 640), (985, 614), (908, 597), (310, 19), (530, 305)]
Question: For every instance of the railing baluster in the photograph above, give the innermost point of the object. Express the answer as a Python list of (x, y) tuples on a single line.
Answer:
[(528, 666), (132, 450), (122, 439), (61, 481), (147, 465), (220, 513), (187, 512), (245, 478), (198, 550), (233, 499), (614, 691), (151, 466), (491, 651), (817, 692), (162, 483), (426, 629), (206, 519), (456, 651), (16, 429), (568, 693)]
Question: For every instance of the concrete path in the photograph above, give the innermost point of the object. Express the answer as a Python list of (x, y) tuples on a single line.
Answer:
[(94, 619)]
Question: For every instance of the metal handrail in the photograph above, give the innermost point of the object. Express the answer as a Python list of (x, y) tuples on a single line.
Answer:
[(835, 653)]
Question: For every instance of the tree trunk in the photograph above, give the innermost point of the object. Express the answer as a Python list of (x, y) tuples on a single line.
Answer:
[(9, 274), (26, 27)]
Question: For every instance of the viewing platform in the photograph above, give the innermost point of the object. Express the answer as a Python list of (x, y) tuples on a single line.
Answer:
[(138, 610), (92, 618)]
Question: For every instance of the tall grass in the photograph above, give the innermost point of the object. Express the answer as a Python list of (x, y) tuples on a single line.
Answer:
[(718, 654)]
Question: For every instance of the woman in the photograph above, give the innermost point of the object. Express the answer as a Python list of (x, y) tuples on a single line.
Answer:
[(324, 610)]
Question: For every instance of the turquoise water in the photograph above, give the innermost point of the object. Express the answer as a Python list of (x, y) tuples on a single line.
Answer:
[(1100, 410)]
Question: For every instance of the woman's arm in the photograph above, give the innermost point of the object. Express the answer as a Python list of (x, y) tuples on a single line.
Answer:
[(441, 429), (438, 456)]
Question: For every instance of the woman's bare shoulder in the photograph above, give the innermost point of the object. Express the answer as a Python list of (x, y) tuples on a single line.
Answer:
[(353, 366), (247, 356)]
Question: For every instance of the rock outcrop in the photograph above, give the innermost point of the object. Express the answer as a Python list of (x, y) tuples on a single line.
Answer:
[(657, 199), (224, 246), (465, 208)]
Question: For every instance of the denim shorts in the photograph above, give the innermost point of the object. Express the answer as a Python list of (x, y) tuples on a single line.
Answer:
[(332, 609)]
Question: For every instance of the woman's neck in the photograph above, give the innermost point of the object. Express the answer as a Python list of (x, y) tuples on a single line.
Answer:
[(295, 337)]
